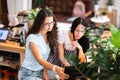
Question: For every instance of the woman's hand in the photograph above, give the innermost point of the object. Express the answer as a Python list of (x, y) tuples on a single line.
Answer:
[(61, 73), (75, 44)]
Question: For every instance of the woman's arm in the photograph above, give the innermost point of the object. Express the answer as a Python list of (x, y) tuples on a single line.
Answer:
[(88, 14), (81, 55), (45, 63), (61, 55)]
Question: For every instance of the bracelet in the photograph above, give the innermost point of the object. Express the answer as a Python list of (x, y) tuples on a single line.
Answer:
[(54, 68)]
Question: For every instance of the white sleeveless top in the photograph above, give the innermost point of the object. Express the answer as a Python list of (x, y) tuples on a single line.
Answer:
[(63, 38)]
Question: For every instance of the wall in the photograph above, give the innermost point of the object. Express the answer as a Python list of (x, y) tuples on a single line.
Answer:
[(117, 6), (15, 6), (0, 9), (103, 4)]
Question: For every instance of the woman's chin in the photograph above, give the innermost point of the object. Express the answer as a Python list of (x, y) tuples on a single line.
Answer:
[(78, 38), (50, 30)]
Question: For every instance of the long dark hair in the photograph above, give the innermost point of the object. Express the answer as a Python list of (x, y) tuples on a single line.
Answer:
[(37, 25), (84, 41)]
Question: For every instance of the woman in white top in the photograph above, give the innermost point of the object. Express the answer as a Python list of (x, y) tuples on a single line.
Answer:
[(78, 10), (68, 41), (41, 39)]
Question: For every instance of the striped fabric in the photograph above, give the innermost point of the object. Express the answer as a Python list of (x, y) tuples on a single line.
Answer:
[(54, 59), (68, 53)]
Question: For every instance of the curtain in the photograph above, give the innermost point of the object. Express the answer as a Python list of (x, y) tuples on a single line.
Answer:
[(37, 3), (4, 13)]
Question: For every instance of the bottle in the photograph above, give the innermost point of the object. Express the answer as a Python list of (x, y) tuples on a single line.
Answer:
[(22, 38)]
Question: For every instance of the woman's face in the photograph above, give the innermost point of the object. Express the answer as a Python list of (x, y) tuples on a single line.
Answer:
[(79, 31), (48, 24)]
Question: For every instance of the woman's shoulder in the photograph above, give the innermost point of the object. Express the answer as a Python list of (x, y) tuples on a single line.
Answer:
[(34, 36), (31, 36)]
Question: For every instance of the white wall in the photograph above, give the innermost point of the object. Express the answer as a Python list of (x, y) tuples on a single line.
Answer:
[(117, 6), (103, 3), (14, 6)]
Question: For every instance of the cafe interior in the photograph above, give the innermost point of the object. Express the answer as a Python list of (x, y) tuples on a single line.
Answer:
[(14, 24)]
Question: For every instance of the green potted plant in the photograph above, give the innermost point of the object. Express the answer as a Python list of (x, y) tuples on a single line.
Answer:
[(96, 1), (33, 13), (96, 5), (37, 3), (110, 5), (115, 39), (104, 55), (110, 2), (104, 13)]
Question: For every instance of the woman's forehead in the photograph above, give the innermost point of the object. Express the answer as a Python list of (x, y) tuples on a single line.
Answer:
[(48, 19), (80, 26)]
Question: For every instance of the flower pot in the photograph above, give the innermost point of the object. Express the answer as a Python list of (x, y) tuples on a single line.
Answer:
[(74, 73), (96, 7), (110, 8)]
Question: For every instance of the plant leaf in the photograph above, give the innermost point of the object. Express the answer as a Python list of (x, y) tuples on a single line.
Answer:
[(115, 39)]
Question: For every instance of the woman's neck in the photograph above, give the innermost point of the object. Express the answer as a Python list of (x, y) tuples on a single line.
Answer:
[(44, 34)]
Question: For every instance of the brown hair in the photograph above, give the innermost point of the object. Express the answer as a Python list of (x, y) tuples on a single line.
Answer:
[(37, 25)]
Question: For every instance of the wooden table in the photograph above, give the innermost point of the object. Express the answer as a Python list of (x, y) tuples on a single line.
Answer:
[(13, 47)]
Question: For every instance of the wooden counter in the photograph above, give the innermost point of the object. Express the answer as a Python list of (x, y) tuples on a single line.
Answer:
[(13, 47)]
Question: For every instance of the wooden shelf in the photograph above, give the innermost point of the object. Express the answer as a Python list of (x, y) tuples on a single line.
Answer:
[(13, 47)]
